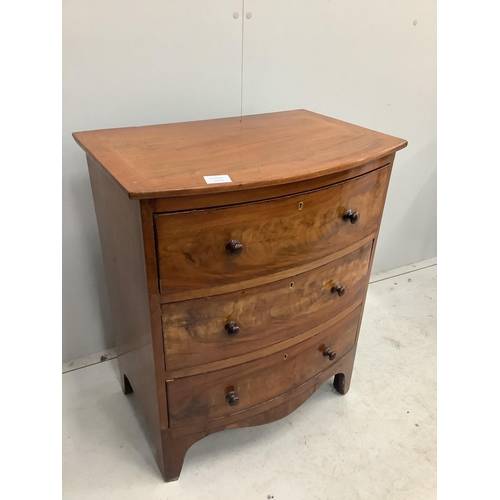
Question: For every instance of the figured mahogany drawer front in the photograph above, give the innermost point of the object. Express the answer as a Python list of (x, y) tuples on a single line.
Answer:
[(207, 248), (201, 331), (218, 394)]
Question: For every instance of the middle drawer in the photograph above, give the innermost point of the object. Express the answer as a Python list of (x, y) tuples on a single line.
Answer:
[(209, 329)]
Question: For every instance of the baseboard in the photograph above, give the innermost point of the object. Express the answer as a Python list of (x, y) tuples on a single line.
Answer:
[(91, 359), (410, 268)]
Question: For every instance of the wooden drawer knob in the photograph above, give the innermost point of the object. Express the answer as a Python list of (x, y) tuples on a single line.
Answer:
[(232, 329), (232, 398), (338, 289), (234, 247), (331, 354), (349, 215)]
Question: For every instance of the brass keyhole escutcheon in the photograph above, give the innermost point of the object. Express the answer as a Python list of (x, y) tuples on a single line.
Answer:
[(285, 356), (291, 285), (301, 205)]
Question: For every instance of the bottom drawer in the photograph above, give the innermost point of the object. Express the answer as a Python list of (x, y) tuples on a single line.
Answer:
[(218, 394)]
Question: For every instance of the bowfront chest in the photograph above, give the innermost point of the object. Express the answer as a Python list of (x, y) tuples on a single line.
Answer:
[(237, 254)]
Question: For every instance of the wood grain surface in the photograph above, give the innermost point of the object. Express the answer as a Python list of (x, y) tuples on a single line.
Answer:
[(178, 440), (275, 235), (203, 397), (194, 330), (255, 151), (183, 203), (259, 353), (119, 220)]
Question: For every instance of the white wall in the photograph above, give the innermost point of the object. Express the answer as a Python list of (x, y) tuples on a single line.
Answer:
[(137, 62), (364, 62), (126, 63)]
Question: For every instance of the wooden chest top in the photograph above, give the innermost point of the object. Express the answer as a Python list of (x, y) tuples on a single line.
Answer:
[(254, 151)]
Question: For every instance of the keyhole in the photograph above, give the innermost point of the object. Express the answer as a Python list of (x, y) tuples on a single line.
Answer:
[(285, 356), (291, 285), (301, 205)]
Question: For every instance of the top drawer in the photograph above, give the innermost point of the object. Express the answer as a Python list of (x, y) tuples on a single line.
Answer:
[(214, 247)]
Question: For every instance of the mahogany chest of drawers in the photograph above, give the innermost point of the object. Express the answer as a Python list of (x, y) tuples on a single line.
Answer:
[(237, 255)]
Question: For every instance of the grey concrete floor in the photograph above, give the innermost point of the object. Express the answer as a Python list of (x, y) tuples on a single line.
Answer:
[(376, 442)]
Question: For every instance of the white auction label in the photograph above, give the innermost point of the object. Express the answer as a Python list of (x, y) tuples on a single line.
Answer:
[(217, 179)]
